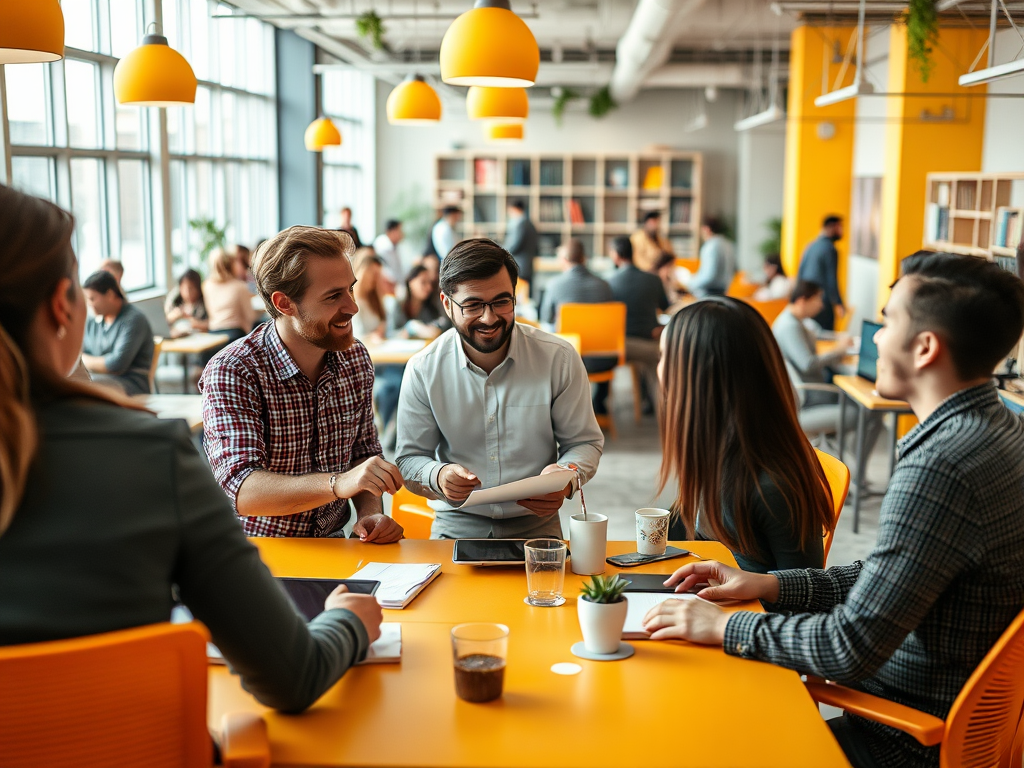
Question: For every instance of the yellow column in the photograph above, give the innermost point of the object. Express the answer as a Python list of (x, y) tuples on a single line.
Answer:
[(916, 145), (819, 141)]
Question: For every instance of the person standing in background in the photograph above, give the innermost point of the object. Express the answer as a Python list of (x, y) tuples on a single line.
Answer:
[(820, 264), (346, 226), (717, 261), (442, 236), (521, 239), (227, 297), (386, 247), (648, 243)]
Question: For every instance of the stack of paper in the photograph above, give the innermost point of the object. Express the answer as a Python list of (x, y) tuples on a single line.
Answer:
[(639, 604), (386, 649), (399, 582)]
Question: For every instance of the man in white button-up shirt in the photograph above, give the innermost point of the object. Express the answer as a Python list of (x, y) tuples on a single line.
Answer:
[(491, 402)]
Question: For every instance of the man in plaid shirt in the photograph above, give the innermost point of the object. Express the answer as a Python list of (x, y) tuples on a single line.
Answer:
[(946, 577), (287, 411)]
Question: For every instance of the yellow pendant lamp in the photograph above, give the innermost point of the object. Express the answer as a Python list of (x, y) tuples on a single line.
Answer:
[(321, 133), (31, 31), (504, 133), (413, 102), (489, 45), (508, 105), (154, 75)]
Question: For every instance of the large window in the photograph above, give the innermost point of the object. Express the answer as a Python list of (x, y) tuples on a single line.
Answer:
[(348, 97), (222, 152), (70, 141)]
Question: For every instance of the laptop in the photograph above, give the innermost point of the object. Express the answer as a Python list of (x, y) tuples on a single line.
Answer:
[(867, 363)]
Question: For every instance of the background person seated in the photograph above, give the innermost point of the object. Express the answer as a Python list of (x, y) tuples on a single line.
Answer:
[(185, 308), (717, 261), (776, 284), (419, 315), (746, 475), (227, 297), (370, 323), (118, 345)]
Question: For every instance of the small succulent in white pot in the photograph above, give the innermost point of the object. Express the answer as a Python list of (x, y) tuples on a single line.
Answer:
[(602, 613)]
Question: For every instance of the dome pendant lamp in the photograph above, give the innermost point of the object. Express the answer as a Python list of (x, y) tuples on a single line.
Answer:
[(507, 105), (154, 75), (413, 102), (31, 31), (504, 133), (489, 45), (321, 133)]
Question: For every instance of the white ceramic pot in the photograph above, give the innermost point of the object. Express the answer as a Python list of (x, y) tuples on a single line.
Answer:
[(588, 540), (602, 624)]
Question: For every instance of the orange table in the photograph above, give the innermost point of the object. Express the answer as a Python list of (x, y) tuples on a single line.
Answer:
[(671, 704), (862, 392)]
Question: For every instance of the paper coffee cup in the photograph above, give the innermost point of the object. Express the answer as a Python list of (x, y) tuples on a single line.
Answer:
[(651, 531), (588, 542)]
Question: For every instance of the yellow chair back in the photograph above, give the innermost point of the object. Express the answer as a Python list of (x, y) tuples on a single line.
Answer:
[(601, 328), (740, 288), (838, 476), (770, 309), (412, 513)]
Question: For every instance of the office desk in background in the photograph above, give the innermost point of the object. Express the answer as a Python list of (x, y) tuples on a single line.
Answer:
[(671, 704), (862, 393), (187, 407), (193, 344), (395, 351)]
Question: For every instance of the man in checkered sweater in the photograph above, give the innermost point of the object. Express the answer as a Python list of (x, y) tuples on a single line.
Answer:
[(287, 410), (946, 577)]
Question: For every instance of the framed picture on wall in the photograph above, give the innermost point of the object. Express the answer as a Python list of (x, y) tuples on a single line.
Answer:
[(866, 216)]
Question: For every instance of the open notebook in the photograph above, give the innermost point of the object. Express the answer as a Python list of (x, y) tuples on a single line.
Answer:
[(639, 604), (399, 582)]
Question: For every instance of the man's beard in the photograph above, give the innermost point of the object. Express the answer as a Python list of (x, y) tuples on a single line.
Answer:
[(486, 347), (320, 334)]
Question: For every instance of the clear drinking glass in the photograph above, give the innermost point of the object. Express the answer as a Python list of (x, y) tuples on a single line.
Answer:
[(545, 571), (479, 652)]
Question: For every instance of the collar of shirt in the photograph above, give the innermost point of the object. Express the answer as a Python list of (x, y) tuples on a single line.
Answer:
[(464, 361), (281, 359), (981, 396)]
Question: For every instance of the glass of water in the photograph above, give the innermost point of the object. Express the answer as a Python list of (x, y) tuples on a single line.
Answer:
[(545, 571)]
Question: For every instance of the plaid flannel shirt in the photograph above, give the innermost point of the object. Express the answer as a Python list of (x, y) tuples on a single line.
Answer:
[(945, 579), (260, 412)]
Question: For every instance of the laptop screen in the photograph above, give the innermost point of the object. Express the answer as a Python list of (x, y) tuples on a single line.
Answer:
[(867, 363)]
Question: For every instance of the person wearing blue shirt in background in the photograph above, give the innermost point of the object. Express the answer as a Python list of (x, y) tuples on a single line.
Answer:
[(820, 264), (717, 261)]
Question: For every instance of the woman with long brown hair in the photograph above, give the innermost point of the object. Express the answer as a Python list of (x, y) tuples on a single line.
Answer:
[(104, 508), (227, 297), (747, 476)]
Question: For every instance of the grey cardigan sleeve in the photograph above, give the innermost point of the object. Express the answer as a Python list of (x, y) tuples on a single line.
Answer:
[(129, 340), (283, 661)]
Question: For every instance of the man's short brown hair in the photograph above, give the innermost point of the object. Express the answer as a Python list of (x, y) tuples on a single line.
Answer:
[(280, 262)]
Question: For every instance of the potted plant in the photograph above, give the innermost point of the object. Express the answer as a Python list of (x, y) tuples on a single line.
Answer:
[(602, 613)]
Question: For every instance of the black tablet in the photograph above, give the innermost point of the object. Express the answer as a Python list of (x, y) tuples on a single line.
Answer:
[(489, 551), (309, 594), (646, 582)]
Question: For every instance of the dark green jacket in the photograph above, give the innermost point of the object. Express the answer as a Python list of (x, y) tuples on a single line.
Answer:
[(120, 507)]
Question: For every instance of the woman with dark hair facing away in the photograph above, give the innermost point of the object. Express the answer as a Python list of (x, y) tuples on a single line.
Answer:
[(77, 559), (729, 435), (185, 308)]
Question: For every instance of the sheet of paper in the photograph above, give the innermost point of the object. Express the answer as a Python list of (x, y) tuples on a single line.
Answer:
[(639, 604), (528, 488), (386, 649)]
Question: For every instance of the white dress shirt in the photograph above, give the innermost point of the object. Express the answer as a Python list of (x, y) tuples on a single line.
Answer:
[(533, 410), (388, 253), (443, 237)]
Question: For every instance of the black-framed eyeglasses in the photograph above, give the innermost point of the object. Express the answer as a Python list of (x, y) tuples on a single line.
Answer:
[(476, 308)]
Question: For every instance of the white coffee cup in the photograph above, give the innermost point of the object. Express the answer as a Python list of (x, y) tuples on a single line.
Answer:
[(588, 543), (651, 531)]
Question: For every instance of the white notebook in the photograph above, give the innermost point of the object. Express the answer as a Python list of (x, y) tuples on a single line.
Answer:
[(386, 649), (639, 604), (399, 582)]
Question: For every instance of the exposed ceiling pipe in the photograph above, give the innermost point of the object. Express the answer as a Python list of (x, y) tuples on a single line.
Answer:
[(646, 44)]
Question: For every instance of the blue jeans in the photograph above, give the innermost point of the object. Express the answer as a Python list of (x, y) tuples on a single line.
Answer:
[(389, 385)]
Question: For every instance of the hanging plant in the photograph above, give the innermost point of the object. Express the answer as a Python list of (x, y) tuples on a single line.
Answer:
[(370, 25), (922, 20), (562, 99), (601, 103)]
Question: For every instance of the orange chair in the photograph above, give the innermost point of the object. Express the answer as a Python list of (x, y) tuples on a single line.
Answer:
[(412, 513), (838, 476), (135, 696), (770, 309), (739, 288), (691, 264), (984, 725), (602, 332)]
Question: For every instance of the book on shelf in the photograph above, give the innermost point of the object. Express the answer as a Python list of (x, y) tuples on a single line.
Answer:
[(550, 174), (936, 223), (519, 173), (486, 172), (654, 178), (550, 211), (1009, 263), (575, 212), (1007, 228), (681, 210), (942, 194), (965, 193)]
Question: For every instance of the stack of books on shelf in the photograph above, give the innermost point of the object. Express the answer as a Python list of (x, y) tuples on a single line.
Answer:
[(575, 212), (680, 212), (936, 225), (551, 174), (519, 173), (1008, 228), (648, 203), (550, 210), (965, 197), (654, 178), (486, 172), (451, 196)]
